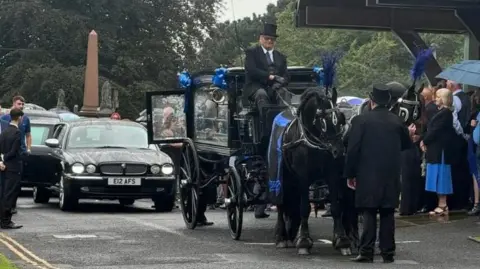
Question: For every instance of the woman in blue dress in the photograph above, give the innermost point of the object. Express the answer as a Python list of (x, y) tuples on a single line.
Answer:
[(440, 151)]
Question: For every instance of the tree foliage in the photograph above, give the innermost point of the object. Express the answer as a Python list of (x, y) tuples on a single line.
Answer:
[(142, 44)]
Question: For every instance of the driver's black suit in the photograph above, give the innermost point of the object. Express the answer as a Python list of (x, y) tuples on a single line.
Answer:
[(258, 67)]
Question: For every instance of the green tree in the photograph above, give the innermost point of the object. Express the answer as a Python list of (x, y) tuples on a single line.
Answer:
[(142, 45)]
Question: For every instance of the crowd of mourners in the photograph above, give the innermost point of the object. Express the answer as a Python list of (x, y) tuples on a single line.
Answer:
[(446, 176)]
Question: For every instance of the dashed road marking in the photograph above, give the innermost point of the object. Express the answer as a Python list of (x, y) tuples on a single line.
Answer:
[(155, 226), (74, 236), (260, 244), (325, 241), (407, 242)]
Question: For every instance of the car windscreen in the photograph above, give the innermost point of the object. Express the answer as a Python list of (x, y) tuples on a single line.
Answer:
[(39, 134), (107, 135)]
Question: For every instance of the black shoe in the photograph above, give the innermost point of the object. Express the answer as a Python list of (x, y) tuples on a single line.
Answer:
[(388, 259), (362, 259), (10, 226), (204, 222), (263, 216), (475, 211), (14, 211)]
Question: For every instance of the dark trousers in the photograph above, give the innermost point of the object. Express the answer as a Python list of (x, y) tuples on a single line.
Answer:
[(10, 186), (412, 184), (386, 232), (461, 178)]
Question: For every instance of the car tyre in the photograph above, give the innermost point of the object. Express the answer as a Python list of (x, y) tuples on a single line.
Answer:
[(67, 201), (41, 195), (126, 202), (164, 204)]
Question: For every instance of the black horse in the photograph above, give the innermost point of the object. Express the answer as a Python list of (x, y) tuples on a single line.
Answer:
[(307, 144)]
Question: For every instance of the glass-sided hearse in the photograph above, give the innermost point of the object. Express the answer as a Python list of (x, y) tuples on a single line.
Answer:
[(221, 136)]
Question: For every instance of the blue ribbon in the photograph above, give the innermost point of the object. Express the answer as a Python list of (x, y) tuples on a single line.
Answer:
[(219, 78), (320, 78), (185, 82)]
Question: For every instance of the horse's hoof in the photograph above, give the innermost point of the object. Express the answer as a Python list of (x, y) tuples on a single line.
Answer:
[(282, 244), (303, 251), (290, 244), (304, 242), (345, 251)]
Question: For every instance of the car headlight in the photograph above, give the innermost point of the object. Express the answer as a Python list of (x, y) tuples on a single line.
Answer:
[(155, 169), (78, 168), (167, 169), (91, 168)]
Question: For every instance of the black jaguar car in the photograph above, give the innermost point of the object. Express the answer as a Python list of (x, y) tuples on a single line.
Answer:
[(107, 159)]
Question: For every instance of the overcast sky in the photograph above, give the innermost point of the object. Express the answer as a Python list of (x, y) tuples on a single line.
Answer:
[(244, 8)]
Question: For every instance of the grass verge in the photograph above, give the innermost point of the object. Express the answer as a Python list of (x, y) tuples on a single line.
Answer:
[(6, 264)]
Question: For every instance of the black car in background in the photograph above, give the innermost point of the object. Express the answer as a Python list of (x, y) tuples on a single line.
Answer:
[(107, 159), (39, 165)]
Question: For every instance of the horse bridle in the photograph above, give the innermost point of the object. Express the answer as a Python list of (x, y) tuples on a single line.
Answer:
[(403, 112), (311, 141)]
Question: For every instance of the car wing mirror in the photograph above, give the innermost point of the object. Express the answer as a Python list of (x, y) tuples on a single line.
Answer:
[(52, 143)]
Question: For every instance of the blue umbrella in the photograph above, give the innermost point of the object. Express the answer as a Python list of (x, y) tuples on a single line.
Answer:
[(466, 72)]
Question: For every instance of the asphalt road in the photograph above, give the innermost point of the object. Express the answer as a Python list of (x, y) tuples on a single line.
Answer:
[(105, 235)]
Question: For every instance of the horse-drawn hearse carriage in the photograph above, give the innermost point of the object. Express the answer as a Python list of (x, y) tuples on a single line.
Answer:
[(224, 139)]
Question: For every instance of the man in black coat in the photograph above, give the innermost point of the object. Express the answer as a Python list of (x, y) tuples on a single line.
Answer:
[(265, 74), (264, 67), (372, 167), (11, 167)]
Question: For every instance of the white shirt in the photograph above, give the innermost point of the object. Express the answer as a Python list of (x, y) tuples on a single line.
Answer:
[(457, 106), (270, 53)]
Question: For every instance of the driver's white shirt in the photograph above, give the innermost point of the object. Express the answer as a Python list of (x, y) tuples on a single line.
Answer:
[(270, 53)]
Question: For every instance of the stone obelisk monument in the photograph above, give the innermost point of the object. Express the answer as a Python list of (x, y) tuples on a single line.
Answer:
[(90, 93)]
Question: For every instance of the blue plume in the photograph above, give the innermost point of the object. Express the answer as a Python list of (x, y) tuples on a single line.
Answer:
[(219, 78), (420, 61), (184, 80), (329, 61), (320, 76)]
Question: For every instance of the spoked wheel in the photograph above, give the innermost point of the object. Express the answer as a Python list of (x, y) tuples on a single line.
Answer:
[(235, 204), (189, 184)]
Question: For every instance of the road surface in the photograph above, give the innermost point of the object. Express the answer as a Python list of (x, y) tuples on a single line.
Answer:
[(104, 235)]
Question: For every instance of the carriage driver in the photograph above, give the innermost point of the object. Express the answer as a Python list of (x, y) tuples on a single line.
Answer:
[(263, 67)]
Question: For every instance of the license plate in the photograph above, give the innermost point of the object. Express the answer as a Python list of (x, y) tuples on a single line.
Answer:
[(124, 181)]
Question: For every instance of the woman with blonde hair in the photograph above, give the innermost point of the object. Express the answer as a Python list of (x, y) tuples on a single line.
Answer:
[(439, 151)]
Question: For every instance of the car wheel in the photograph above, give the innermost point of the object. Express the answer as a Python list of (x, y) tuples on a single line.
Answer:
[(164, 204), (41, 195), (66, 199), (126, 202)]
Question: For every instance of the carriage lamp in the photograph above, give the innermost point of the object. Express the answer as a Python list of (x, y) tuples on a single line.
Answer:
[(91, 168), (77, 168), (167, 169), (155, 169)]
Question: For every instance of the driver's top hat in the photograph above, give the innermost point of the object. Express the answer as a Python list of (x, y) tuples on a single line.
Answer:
[(380, 94), (269, 30)]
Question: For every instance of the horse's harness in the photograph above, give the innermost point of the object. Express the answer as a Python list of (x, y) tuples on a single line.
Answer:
[(404, 113), (310, 140)]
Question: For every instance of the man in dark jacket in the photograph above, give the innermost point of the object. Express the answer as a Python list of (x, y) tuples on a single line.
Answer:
[(263, 67), (373, 168), (265, 73), (11, 166)]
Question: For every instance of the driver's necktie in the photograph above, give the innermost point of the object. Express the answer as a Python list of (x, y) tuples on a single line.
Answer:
[(269, 58)]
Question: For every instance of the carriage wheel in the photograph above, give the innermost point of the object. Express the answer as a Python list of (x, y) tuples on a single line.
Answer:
[(189, 184), (235, 204)]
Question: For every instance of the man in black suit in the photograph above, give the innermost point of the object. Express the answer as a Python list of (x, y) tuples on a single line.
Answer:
[(11, 168), (372, 167), (265, 68), (265, 75)]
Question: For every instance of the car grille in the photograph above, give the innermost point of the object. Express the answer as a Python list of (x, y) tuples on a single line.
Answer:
[(130, 169)]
